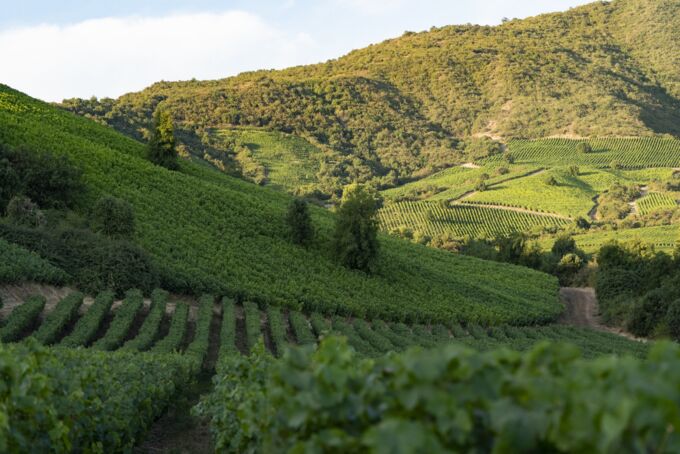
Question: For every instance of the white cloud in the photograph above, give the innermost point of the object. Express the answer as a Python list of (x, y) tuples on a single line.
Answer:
[(372, 7), (111, 56)]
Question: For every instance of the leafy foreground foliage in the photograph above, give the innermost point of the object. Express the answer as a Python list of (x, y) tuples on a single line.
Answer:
[(68, 400), (207, 232), (548, 399)]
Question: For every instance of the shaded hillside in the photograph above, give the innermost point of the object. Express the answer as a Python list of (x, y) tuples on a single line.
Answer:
[(211, 232), (398, 110)]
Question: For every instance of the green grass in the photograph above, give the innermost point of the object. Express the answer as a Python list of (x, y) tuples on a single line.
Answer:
[(630, 153), (290, 161), (212, 233), (433, 219)]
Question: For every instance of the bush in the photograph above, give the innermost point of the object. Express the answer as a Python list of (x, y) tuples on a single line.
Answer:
[(565, 244), (551, 181), (584, 147), (673, 318), (93, 261), (22, 211), (299, 222), (648, 312), (503, 171), (113, 217), (574, 171), (50, 181)]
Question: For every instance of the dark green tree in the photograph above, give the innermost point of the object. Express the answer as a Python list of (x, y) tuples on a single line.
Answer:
[(113, 217), (356, 231), (161, 149), (299, 222)]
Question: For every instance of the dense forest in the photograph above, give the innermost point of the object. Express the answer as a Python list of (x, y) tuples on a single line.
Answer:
[(406, 107)]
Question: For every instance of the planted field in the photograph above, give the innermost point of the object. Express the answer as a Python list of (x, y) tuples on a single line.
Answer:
[(290, 161), (655, 201), (629, 153), (217, 234), (454, 182), (663, 238), (433, 219)]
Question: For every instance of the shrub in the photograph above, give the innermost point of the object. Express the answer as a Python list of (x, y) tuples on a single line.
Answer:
[(584, 147), (565, 244), (574, 171), (22, 211), (648, 312), (50, 181), (503, 171), (673, 318), (113, 217)]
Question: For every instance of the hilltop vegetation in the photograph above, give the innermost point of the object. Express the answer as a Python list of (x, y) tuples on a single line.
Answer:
[(411, 105), (205, 231)]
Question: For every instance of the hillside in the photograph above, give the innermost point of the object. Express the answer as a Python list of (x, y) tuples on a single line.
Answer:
[(210, 232), (411, 105)]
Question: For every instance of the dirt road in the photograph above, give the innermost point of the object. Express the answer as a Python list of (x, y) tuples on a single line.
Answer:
[(582, 310)]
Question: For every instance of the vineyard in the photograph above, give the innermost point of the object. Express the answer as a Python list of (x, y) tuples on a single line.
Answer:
[(216, 234), (155, 346), (290, 162), (655, 201), (136, 324), (662, 238), (629, 153), (433, 218)]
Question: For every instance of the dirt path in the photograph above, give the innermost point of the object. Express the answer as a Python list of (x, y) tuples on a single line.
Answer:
[(644, 190), (581, 310), (592, 214)]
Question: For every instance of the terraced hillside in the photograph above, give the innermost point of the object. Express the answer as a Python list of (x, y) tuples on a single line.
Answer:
[(210, 232), (162, 325), (662, 238), (541, 185)]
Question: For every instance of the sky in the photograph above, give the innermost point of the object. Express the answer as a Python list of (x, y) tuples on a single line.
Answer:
[(55, 50)]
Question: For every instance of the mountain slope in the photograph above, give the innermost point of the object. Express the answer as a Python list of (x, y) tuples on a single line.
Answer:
[(211, 232), (397, 110)]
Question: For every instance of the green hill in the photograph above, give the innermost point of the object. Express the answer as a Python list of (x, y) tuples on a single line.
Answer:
[(211, 232), (397, 110)]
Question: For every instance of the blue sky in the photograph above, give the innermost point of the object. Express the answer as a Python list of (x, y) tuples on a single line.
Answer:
[(59, 49)]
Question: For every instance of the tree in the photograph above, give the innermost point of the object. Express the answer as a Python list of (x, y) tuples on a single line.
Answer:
[(564, 245), (574, 171), (356, 229), (161, 149), (113, 217), (299, 222)]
